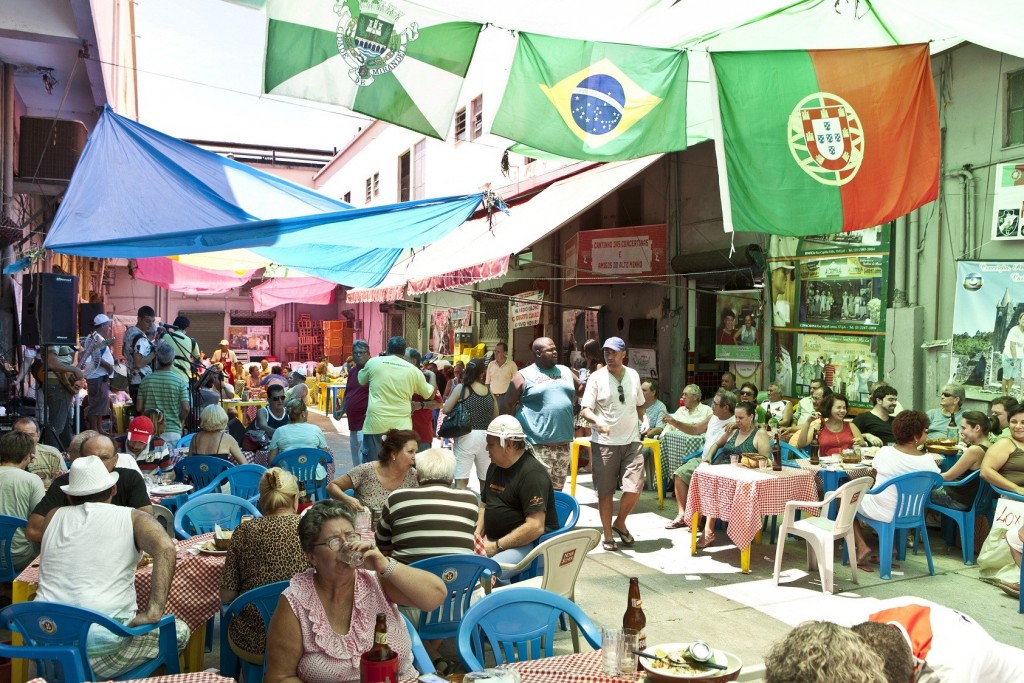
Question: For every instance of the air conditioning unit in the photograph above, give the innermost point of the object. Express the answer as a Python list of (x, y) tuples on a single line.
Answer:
[(52, 147)]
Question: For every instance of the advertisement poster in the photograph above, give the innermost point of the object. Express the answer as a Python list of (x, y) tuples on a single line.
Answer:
[(842, 293), (442, 338), (869, 240), (739, 333), (783, 368), (849, 363), (578, 325), (525, 309), (644, 361), (988, 332), (600, 255), (1009, 199), (461, 319), (255, 338)]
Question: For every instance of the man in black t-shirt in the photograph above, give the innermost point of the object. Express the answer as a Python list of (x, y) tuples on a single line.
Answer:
[(517, 503), (131, 489), (876, 425)]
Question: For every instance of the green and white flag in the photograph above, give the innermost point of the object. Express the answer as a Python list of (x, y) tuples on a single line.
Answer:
[(598, 101), (391, 60)]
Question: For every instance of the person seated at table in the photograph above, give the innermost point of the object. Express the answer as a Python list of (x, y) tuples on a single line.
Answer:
[(833, 432), (431, 519), (805, 407), (21, 491), (314, 638), (974, 431), (212, 439), (272, 416), (252, 381), (655, 409), (747, 392), (149, 451), (264, 368), (276, 377), (951, 409), (297, 389), (263, 550), (910, 429), (692, 417), (238, 377), (298, 433), (47, 459), (73, 572), (776, 406), (999, 415), (1003, 464), (373, 482), (723, 405), (742, 436), (823, 652), (875, 425)]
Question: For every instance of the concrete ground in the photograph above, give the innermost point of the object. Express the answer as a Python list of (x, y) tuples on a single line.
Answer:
[(707, 597)]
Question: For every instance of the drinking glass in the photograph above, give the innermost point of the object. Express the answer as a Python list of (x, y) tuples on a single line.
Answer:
[(762, 464), (734, 459), (627, 660), (611, 650), (364, 524)]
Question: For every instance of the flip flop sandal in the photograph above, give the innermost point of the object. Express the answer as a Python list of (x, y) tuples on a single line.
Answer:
[(864, 567), (874, 560), (706, 541), (676, 524), (625, 537), (609, 545)]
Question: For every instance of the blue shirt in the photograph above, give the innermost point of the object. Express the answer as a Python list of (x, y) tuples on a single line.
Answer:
[(939, 423), (546, 405)]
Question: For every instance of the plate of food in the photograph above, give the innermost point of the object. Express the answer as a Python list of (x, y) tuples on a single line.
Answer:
[(171, 489), (942, 446), (208, 547), (679, 668)]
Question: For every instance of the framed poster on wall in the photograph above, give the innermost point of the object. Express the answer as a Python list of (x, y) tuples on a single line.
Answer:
[(739, 333), (255, 339), (849, 363), (844, 293), (1009, 202)]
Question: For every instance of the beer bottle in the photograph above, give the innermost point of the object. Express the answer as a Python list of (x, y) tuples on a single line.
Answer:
[(303, 498), (776, 456), (634, 617), (816, 446), (380, 651), (952, 431)]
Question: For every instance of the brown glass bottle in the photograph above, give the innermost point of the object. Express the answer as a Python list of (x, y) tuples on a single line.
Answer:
[(303, 497), (776, 456), (380, 651), (634, 617), (816, 446)]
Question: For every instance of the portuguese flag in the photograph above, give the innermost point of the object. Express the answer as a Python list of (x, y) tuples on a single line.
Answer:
[(825, 141)]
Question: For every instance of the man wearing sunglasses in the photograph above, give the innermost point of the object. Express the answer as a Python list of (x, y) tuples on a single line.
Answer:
[(614, 404), (951, 405)]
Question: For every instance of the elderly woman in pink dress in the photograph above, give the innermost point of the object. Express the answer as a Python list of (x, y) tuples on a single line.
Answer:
[(325, 619)]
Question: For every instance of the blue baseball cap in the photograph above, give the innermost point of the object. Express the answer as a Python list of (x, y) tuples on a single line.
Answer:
[(615, 344)]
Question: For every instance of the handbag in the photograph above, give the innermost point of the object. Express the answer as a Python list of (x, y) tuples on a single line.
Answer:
[(456, 423)]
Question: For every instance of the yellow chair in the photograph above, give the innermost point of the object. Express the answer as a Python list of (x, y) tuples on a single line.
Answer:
[(584, 441)]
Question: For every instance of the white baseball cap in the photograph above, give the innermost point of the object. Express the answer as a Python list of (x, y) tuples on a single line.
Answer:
[(100, 319)]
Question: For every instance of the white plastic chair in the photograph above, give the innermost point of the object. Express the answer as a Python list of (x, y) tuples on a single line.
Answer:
[(165, 518), (821, 533), (563, 559)]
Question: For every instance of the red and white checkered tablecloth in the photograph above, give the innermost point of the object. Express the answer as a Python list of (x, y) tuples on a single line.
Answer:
[(743, 496), (584, 667), (195, 589), (852, 471), (199, 677)]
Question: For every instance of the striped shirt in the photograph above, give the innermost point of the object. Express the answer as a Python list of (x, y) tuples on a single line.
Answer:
[(165, 390), (428, 521)]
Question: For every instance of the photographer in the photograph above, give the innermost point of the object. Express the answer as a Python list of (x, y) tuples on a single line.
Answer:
[(186, 350)]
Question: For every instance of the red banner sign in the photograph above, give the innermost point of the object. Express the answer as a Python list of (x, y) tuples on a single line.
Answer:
[(616, 256)]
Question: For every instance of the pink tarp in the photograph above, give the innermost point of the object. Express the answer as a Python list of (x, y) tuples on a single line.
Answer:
[(303, 290), (166, 272)]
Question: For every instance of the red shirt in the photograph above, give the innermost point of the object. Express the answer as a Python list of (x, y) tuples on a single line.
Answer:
[(423, 420)]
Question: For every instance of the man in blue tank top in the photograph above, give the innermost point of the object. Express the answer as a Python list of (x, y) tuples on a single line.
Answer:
[(542, 397)]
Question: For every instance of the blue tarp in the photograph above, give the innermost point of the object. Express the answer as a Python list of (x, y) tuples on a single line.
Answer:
[(138, 193)]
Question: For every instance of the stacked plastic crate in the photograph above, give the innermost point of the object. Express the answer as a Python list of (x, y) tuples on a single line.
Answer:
[(337, 340)]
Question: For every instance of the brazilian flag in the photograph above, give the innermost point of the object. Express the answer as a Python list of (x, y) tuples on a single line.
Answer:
[(596, 101)]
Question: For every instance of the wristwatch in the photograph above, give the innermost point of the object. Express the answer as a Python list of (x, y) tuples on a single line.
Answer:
[(422, 405), (497, 545)]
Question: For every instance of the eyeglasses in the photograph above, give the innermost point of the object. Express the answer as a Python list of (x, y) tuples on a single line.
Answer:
[(622, 395), (277, 398), (746, 393), (945, 395), (335, 542)]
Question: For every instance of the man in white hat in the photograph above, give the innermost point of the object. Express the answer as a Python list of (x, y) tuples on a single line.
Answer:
[(517, 503), (227, 358), (98, 366), (73, 573)]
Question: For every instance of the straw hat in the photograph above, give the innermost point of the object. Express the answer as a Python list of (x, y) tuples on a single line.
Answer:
[(87, 476)]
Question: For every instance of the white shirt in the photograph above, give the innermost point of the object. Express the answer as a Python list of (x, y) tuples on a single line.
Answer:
[(716, 427), (700, 413), (97, 369), (804, 410), (890, 463), (1015, 336), (602, 397), (128, 462)]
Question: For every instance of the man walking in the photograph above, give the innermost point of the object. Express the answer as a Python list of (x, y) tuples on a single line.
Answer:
[(354, 402), (393, 381), (138, 351), (500, 372), (614, 405), (542, 396)]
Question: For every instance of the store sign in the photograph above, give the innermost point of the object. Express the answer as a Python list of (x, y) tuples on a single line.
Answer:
[(525, 310), (616, 256), (255, 338)]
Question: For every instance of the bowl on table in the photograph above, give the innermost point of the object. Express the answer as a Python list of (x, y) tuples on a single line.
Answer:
[(222, 540), (659, 672)]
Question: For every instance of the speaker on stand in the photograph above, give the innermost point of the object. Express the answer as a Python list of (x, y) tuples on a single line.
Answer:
[(49, 318)]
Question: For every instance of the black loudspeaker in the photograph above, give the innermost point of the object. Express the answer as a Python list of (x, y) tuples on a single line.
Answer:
[(86, 314), (49, 309)]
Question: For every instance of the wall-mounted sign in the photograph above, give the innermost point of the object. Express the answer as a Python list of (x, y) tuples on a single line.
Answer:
[(1009, 202), (525, 309), (739, 333), (616, 256)]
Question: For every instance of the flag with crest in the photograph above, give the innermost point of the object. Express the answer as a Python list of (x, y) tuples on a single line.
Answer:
[(597, 101)]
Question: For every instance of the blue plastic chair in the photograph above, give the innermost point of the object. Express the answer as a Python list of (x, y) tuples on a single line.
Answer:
[(302, 463), (200, 470), (420, 658), (964, 519), (242, 480), (54, 663), (912, 491), (53, 624), (1014, 496), (519, 624), (253, 665), (199, 515), (183, 443), (461, 575), (8, 526)]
